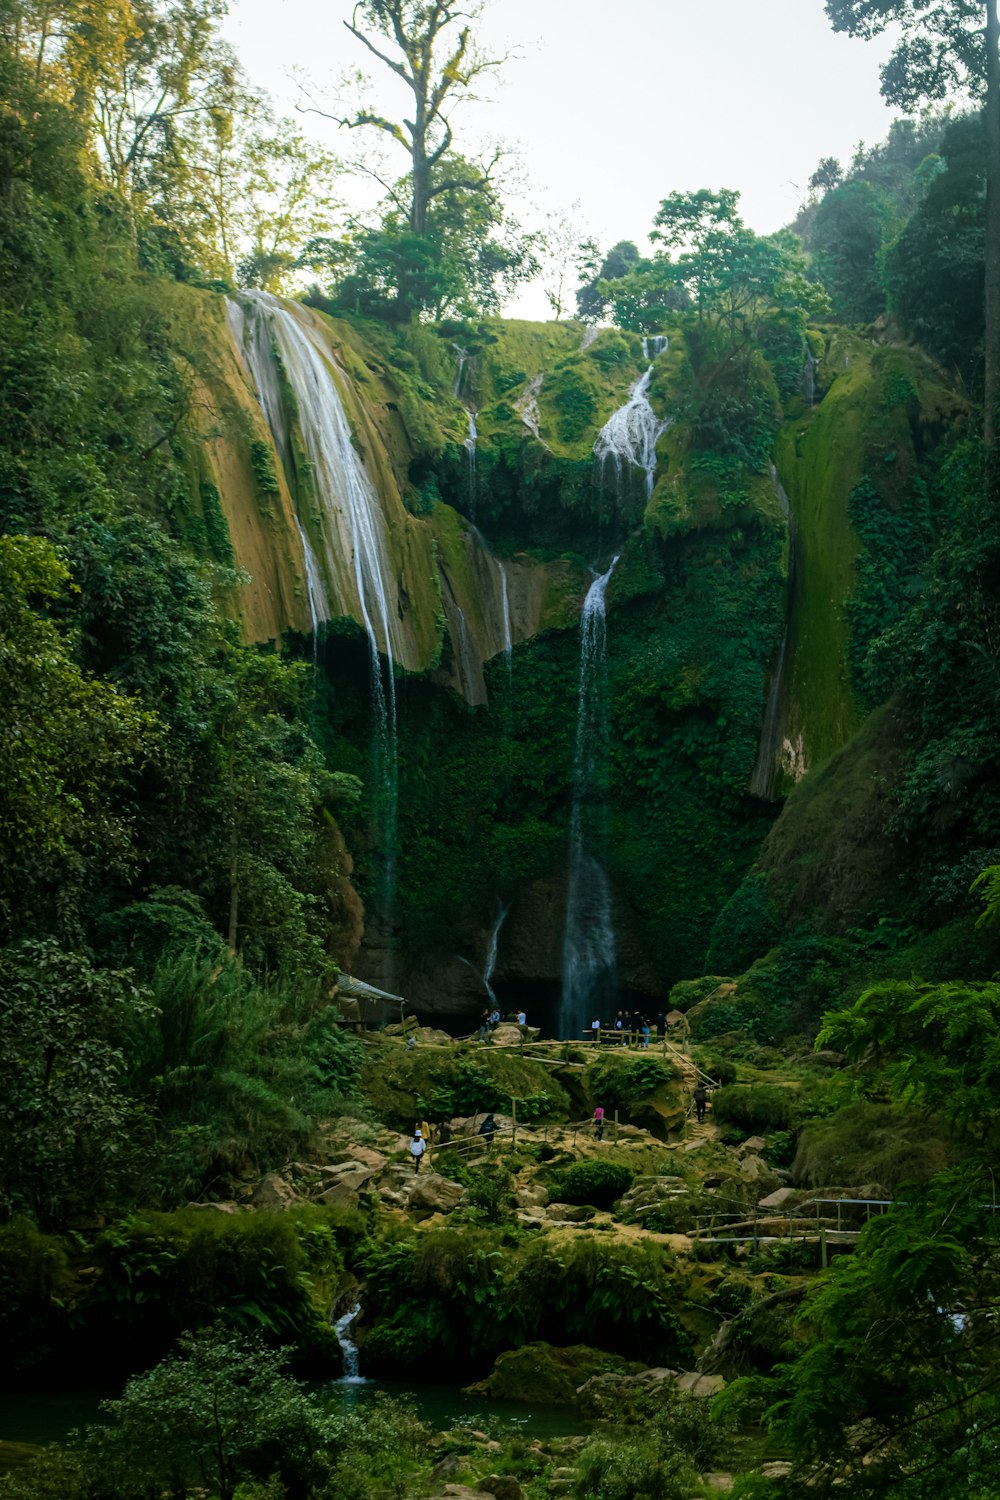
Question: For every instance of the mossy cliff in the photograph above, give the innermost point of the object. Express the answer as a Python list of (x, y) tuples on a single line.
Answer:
[(490, 556)]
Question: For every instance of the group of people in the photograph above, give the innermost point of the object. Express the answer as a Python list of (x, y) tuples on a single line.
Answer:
[(489, 1020), (629, 1026), (421, 1139)]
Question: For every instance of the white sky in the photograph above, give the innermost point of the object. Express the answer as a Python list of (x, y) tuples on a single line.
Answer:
[(615, 103)]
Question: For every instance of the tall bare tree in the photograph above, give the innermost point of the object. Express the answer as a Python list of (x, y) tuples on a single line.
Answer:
[(429, 44)]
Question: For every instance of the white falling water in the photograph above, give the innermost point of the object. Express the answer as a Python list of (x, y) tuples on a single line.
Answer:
[(354, 533), (589, 940), (470, 447), (765, 772), (348, 1348), (491, 952), (508, 643), (463, 355), (629, 437)]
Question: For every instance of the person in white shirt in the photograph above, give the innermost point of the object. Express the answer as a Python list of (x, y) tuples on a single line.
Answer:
[(417, 1148)]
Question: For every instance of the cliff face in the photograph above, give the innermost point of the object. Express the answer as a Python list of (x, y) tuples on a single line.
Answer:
[(454, 519)]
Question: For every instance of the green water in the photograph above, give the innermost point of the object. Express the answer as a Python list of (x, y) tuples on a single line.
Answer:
[(39, 1419)]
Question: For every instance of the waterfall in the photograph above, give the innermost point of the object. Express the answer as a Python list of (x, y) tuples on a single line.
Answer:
[(318, 608), (589, 941), (354, 532), (463, 355), (628, 439), (508, 643), (348, 1348), (470, 447), (491, 952), (765, 771)]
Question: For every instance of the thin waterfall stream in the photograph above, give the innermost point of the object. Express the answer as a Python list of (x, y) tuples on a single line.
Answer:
[(589, 952), (348, 1348), (491, 952), (355, 544)]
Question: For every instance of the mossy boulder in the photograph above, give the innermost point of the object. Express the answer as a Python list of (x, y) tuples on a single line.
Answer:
[(546, 1375)]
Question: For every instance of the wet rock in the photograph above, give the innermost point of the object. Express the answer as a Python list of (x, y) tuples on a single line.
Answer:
[(700, 1385)]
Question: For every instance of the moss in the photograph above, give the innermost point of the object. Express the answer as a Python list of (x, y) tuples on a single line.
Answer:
[(546, 1376)]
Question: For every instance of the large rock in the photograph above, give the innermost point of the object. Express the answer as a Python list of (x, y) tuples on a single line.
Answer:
[(346, 1185), (273, 1194), (780, 1198), (752, 1146), (431, 1193), (569, 1213), (502, 1487), (545, 1375), (700, 1385), (532, 1195)]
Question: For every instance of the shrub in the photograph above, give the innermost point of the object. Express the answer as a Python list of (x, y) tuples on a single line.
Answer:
[(599, 1183), (754, 1107), (867, 1143), (619, 1083)]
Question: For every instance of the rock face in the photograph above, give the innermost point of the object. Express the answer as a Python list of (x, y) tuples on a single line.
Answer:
[(659, 1195), (546, 1375)]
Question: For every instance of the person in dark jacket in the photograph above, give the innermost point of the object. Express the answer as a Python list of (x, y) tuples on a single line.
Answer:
[(488, 1129)]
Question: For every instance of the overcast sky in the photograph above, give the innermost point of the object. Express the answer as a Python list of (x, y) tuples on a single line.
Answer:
[(615, 103)]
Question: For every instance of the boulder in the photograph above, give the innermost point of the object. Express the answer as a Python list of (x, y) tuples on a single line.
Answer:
[(755, 1169), (620, 1397), (502, 1487), (752, 1146), (544, 1375), (273, 1194), (532, 1195), (461, 1492), (434, 1194), (778, 1198), (346, 1185), (507, 1034), (214, 1208), (700, 1385), (569, 1213)]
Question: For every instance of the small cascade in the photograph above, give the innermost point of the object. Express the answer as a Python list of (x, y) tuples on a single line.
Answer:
[(491, 952), (809, 364), (589, 956), (765, 771), (463, 355), (354, 533), (348, 1348), (628, 439)]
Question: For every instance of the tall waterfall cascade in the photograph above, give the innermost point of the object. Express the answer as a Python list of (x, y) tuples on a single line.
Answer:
[(629, 437), (350, 520), (765, 772), (589, 956)]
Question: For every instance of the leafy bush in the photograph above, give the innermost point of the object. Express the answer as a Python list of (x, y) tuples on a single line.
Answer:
[(620, 1082), (599, 1183), (754, 1107), (869, 1143)]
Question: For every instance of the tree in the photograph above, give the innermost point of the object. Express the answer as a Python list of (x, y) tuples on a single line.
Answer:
[(221, 1409), (69, 1122), (944, 48), (68, 746), (852, 225), (591, 302), (419, 32)]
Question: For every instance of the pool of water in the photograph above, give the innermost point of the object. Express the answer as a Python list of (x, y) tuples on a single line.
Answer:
[(35, 1420), (442, 1406)]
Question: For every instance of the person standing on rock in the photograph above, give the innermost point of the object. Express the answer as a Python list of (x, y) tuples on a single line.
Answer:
[(488, 1130), (599, 1122), (417, 1148), (700, 1101)]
